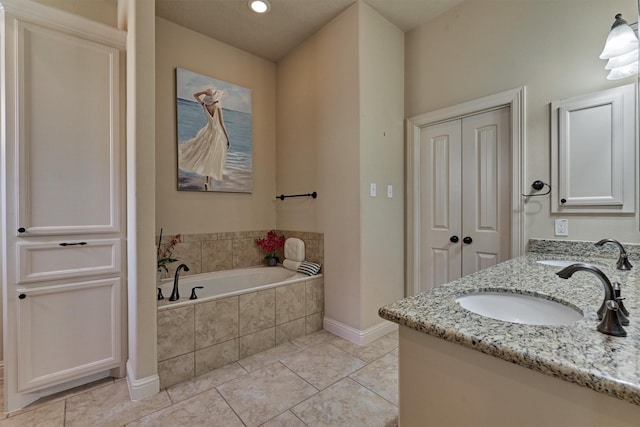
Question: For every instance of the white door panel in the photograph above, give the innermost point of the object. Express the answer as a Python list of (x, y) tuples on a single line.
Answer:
[(465, 185), (440, 177)]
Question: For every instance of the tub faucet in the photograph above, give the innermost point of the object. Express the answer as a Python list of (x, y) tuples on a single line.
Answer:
[(175, 295), (608, 312), (623, 260)]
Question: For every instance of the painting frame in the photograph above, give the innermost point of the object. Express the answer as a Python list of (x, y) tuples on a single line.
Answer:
[(214, 134)]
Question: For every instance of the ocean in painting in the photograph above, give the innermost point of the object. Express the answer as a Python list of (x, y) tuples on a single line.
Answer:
[(238, 171)]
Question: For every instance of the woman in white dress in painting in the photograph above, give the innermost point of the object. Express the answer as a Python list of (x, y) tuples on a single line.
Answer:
[(206, 153)]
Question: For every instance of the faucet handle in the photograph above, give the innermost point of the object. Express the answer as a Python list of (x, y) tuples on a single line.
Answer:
[(619, 298), (193, 292), (623, 262), (610, 324)]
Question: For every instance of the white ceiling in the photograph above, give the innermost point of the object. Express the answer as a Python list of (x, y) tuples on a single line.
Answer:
[(288, 23)]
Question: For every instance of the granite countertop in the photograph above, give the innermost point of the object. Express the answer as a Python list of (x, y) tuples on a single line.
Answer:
[(576, 352)]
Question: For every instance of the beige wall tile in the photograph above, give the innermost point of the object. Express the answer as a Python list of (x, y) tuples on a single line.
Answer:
[(189, 254), (217, 255), (314, 322), (290, 330), (216, 356), (177, 369), (216, 322), (246, 253), (175, 332), (314, 296), (290, 302), (257, 311), (257, 342)]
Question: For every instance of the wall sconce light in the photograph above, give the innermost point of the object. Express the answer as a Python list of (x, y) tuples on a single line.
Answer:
[(621, 50), (259, 6)]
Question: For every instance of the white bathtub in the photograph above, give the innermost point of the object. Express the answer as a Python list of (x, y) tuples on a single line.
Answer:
[(227, 283)]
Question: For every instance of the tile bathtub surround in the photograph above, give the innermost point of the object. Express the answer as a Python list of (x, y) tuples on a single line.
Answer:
[(207, 252), (576, 353), (198, 338)]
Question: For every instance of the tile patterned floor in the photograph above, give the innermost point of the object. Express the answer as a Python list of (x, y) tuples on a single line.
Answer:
[(316, 380)]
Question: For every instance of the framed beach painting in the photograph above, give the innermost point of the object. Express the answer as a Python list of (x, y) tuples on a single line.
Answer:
[(215, 147)]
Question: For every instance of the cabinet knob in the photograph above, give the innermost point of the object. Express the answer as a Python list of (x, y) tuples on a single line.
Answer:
[(563, 201), (21, 230), (454, 239), (467, 240), (22, 296)]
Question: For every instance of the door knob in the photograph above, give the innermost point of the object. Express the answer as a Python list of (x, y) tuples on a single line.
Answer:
[(467, 240), (454, 239)]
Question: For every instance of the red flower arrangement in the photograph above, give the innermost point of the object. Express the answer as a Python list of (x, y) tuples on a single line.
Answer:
[(270, 244)]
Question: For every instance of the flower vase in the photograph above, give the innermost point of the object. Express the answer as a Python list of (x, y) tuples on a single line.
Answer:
[(272, 261)]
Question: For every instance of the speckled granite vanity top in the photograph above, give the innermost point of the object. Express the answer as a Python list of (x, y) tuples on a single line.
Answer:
[(576, 352)]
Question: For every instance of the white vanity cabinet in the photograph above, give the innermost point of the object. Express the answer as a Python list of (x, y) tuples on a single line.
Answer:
[(63, 198), (593, 140)]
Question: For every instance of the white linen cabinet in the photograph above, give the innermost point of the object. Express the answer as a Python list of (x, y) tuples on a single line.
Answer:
[(63, 209)]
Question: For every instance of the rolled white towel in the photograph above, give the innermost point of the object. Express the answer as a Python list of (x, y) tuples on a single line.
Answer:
[(291, 265)]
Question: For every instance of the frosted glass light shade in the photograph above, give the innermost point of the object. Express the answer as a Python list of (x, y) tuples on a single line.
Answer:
[(622, 72), (621, 40), (622, 60)]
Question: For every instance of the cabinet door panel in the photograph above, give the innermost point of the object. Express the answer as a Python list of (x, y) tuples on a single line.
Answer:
[(68, 259), (67, 331), (593, 152), (68, 134)]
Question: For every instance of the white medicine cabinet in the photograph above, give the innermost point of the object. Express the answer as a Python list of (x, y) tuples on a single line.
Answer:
[(593, 154)]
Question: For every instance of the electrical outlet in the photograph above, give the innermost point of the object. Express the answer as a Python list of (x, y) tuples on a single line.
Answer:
[(372, 189), (389, 191), (562, 227)]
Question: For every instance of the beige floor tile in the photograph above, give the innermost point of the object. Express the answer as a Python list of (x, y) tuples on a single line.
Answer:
[(261, 395), (267, 357), (206, 409), (111, 406), (60, 396), (51, 415), (313, 339), (323, 364), (286, 419), (381, 377), (395, 335), (347, 403), (396, 352), (197, 385), (368, 352)]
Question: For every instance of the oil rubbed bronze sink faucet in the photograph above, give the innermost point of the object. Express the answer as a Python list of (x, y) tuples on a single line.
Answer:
[(623, 260), (611, 323)]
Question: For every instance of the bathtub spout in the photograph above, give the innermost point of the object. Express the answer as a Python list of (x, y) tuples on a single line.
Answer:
[(175, 295)]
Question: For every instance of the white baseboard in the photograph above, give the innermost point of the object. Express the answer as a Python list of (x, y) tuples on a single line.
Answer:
[(357, 336), (142, 388)]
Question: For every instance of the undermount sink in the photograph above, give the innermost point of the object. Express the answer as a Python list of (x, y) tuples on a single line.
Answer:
[(518, 308), (562, 263)]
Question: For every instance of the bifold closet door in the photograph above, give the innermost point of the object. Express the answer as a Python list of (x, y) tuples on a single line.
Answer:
[(465, 181)]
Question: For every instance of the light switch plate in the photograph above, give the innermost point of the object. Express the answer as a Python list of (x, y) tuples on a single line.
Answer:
[(389, 191)]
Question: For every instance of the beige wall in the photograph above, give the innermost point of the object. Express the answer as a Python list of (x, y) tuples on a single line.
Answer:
[(318, 150), (381, 162), (483, 47), (200, 212), (339, 115)]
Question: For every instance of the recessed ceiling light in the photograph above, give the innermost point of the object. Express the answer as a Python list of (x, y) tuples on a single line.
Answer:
[(259, 6)]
